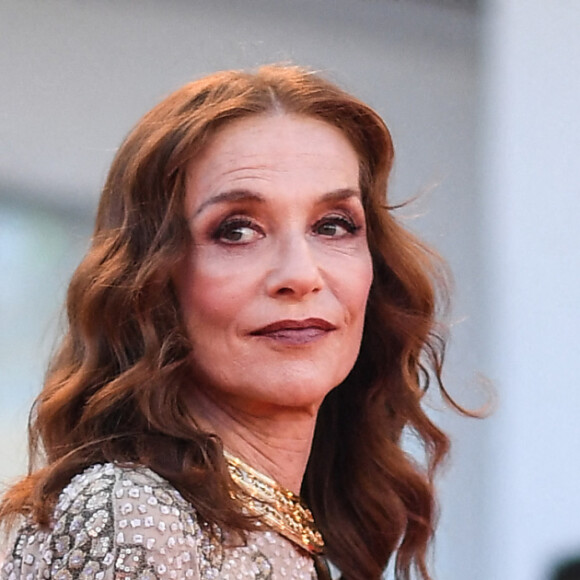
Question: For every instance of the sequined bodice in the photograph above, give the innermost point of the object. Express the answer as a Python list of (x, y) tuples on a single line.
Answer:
[(127, 523)]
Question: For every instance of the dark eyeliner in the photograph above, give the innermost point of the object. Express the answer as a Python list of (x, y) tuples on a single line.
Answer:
[(349, 225), (231, 223), (346, 222)]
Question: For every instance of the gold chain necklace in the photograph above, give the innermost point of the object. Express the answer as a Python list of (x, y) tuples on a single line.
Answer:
[(275, 506)]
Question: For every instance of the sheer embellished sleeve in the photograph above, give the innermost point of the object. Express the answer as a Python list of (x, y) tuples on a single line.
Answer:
[(117, 522), (110, 523)]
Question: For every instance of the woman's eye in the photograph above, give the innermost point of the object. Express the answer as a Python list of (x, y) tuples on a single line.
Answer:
[(237, 231), (335, 227)]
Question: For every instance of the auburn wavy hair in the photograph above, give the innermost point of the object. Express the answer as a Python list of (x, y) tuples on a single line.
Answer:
[(114, 389)]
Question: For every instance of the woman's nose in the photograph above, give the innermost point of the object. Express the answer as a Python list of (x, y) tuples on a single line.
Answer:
[(295, 272)]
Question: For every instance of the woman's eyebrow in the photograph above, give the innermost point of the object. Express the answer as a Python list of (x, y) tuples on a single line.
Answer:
[(340, 195), (234, 195), (230, 196)]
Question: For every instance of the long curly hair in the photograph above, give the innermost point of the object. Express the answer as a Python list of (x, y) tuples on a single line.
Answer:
[(114, 389)]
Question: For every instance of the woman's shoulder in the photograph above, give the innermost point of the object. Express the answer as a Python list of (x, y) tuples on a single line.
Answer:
[(106, 475), (110, 519), (106, 485)]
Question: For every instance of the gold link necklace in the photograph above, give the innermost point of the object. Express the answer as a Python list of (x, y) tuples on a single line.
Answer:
[(275, 506)]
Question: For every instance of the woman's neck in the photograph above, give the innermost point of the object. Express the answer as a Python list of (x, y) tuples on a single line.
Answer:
[(275, 441)]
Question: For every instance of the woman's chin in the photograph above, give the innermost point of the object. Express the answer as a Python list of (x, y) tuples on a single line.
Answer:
[(280, 398)]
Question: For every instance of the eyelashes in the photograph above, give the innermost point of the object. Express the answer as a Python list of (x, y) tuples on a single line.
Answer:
[(239, 229), (332, 225)]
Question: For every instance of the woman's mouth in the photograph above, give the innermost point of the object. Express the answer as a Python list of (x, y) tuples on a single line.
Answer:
[(295, 332)]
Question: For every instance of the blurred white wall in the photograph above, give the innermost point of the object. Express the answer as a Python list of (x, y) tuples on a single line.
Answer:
[(531, 202), (466, 108)]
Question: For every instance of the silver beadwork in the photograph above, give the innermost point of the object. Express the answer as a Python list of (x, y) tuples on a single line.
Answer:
[(128, 523)]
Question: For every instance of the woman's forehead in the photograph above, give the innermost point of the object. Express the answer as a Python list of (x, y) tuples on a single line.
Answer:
[(265, 151)]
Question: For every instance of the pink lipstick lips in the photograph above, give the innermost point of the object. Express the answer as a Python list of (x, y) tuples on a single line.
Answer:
[(296, 332)]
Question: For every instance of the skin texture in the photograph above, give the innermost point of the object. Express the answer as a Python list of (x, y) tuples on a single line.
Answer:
[(275, 284)]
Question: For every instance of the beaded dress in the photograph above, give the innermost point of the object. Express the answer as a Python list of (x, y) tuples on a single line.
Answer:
[(128, 523)]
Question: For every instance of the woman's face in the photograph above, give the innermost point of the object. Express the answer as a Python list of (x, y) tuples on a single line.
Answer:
[(276, 281)]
